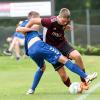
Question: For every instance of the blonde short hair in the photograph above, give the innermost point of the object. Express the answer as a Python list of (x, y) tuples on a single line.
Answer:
[(64, 13), (33, 14)]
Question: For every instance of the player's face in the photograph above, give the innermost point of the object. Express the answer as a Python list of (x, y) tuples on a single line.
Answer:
[(63, 21)]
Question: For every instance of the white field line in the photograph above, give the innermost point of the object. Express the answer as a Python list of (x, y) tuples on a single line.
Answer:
[(82, 97)]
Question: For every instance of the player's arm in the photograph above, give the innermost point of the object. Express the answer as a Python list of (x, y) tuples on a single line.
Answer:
[(23, 29), (26, 29), (68, 27), (30, 26), (33, 21)]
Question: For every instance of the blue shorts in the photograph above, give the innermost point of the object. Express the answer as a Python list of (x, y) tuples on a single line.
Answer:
[(41, 50)]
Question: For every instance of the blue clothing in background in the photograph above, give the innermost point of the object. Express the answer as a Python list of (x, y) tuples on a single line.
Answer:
[(19, 35)]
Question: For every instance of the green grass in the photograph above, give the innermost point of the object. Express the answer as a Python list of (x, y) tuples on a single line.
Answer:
[(16, 77)]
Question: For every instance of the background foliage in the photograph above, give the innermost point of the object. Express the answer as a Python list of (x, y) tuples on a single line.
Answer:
[(78, 14)]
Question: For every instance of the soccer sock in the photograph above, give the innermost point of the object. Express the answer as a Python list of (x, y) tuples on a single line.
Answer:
[(75, 68), (82, 79), (37, 78), (67, 82)]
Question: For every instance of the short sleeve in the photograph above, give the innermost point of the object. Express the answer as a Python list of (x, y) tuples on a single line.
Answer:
[(46, 22)]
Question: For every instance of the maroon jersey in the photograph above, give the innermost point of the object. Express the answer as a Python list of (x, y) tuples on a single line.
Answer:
[(55, 31)]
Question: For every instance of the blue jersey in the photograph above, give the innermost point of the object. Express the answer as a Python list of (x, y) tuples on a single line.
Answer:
[(23, 24), (19, 35), (25, 44), (29, 35)]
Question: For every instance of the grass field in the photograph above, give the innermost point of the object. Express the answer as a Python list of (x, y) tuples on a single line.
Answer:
[(16, 77)]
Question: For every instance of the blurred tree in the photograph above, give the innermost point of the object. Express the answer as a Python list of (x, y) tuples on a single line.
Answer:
[(78, 9), (95, 4), (77, 4)]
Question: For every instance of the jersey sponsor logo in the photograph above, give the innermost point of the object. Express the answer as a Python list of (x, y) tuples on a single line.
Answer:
[(55, 34), (54, 50), (54, 28)]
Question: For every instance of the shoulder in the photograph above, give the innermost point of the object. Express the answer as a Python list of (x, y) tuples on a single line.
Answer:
[(48, 21), (25, 21), (53, 19)]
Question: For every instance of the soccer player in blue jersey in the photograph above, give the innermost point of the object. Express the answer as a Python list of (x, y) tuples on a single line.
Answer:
[(17, 40), (39, 50)]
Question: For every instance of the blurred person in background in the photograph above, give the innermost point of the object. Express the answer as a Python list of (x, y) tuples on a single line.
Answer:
[(15, 44)]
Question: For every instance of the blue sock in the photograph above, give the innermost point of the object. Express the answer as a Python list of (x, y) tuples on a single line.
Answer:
[(75, 68), (37, 78)]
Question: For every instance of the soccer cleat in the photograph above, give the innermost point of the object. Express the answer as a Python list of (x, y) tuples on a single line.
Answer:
[(91, 77), (30, 91), (7, 52), (84, 86)]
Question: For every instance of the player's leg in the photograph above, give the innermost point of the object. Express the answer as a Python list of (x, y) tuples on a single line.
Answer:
[(37, 76), (9, 39), (62, 73), (9, 50), (71, 66), (36, 80), (12, 44), (17, 49), (19, 42), (76, 69), (71, 53), (64, 77), (75, 55), (41, 67)]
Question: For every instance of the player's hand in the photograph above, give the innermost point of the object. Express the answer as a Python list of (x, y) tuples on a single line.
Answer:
[(69, 27)]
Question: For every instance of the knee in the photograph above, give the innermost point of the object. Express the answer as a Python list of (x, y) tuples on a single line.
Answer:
[(43, 68), (16, 42), (77, 56)]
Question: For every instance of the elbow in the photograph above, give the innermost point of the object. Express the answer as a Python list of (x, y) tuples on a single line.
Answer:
[(17, 30)]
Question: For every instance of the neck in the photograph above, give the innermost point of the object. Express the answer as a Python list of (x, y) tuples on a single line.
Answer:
[(58, 20)]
